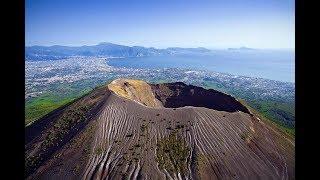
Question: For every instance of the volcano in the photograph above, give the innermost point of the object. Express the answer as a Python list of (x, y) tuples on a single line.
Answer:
[(130, 129)]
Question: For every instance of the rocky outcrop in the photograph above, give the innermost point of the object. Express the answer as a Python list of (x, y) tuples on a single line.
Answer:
[(135, 90)]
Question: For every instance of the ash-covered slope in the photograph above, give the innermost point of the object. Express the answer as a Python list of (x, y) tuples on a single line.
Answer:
[(118, 138)]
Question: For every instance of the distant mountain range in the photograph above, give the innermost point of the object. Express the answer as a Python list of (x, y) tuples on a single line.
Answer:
[(241, 49), (38, 53)]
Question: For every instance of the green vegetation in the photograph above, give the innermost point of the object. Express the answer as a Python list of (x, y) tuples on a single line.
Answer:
[(76, 169), (67, 123), (83, 142), (59, 95), (284, 113), (42, 105), (88, 136), (246, 135), (98, 151), (264, 116), (199, 162), (172, 153), (64, 124), (31, 162)]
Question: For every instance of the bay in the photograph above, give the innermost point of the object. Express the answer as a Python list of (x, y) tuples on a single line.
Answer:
[(269, 64)]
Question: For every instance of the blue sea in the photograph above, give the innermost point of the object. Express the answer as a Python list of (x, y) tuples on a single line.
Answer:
[(270, 64)]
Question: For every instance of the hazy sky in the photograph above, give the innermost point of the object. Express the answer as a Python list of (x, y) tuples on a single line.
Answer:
[(162, 23)]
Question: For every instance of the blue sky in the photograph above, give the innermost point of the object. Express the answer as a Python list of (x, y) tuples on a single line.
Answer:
[(162, 23)]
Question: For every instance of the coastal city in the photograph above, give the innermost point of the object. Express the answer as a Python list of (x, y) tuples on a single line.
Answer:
[(43, 76)]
